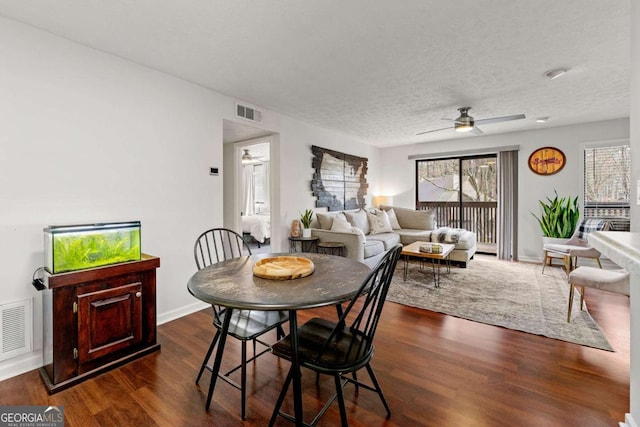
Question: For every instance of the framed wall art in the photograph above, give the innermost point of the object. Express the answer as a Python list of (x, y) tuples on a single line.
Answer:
[(546, 161), (339, 181)]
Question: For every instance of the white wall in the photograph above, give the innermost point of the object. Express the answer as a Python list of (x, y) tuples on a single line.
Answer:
[(291, 172), (634, 413), (398, 173), (296, 139), (88, 137)]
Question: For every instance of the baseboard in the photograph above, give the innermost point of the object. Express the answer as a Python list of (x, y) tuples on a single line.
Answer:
[(25, 363), (181, 312), (20, 364), (628, 421)]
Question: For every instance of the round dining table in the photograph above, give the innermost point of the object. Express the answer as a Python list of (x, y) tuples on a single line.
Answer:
[(232, 284)]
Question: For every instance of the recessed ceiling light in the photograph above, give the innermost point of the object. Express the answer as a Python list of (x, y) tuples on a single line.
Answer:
[(542, 119), (555, 73)]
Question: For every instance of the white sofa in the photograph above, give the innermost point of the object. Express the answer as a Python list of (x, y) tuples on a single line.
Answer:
[(414, 226)]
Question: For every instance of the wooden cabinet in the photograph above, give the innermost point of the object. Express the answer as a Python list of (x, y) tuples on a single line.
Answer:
[(97, 319)]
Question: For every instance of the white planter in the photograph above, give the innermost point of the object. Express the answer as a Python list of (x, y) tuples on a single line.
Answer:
[(306, 232), (553, 240)]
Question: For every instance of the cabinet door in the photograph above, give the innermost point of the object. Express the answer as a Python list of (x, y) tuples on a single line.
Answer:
[(109, 320)]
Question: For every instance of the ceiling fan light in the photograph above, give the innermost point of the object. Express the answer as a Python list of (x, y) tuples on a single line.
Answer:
[(464, 127), (246, 157)]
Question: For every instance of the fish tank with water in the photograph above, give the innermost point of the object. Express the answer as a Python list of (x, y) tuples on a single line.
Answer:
[(78, 247)]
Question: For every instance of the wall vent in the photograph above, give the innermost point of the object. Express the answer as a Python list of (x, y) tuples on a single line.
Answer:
[(15, 329), (248, 113)]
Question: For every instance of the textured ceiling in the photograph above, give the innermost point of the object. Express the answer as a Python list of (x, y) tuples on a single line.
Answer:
[(379, 70)]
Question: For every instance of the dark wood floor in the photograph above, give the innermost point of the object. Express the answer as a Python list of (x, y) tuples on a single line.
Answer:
[(435, 370)]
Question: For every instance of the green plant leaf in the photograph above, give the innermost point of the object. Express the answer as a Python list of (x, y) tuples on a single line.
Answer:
[(559, 216)]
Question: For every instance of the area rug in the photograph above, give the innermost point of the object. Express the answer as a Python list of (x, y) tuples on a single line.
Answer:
[(513, 295)]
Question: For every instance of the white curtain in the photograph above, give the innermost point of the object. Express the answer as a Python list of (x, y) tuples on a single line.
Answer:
[(248, 196), (508, 205), (266, 169)]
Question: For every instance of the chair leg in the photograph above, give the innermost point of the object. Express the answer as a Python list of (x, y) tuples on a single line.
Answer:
[(208, 355), (545, 260), (581, 298), (570, 302), (283, 393), (243, 378), (567, 264), (376, 384), (343, 409), (598, 262)]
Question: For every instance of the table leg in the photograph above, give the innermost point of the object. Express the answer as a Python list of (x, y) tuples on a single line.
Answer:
[(436, 272), (218, 360), (295, 368), (406, 266)]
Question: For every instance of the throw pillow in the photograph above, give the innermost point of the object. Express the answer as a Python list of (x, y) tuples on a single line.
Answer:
[(340, 224), (416, 220), (379, 222), (326, 219), (393, 220), (359, 220)]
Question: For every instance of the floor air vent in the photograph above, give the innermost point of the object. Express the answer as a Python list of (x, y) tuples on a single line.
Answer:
[(248, 113), (15, 329)]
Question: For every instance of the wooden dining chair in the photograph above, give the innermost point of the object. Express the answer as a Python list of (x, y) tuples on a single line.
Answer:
[(217, 245), (346, 346)]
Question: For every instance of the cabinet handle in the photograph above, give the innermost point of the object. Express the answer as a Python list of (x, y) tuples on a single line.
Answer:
[(138, 294)]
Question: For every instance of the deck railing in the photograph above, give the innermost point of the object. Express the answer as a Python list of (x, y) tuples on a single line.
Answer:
[(618, 216), (479, 217)]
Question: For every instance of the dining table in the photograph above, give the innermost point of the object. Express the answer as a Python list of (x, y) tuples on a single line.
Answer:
[(232, 284)]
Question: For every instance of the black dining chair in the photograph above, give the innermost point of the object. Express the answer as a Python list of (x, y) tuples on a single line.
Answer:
[(217, 245), (342, 347)]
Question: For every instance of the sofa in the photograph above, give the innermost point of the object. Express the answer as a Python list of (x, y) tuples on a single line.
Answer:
[(367, 236)]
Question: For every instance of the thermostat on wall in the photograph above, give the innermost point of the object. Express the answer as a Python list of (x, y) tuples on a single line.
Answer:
[(213, 171)]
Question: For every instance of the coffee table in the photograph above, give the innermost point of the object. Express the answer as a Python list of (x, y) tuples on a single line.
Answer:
[(413, 250)]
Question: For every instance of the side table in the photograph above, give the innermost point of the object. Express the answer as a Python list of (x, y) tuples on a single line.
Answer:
[(303, 244), (331, 248)]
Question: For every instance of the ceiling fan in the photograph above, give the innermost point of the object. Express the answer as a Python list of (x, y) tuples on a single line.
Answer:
[(247, 157), (466, 123)]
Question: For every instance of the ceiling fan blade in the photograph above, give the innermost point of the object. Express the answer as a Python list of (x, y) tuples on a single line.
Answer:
[(476, 131), (448, 119), (435, 130), (500, 119)]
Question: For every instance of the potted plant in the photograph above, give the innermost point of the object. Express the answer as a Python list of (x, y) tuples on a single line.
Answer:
[(559, 217), (305, 219)]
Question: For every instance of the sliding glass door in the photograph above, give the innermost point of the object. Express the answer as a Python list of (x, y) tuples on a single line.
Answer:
[(463, 193)]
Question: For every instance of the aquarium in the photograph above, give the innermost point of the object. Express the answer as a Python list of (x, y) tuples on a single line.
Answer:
[(76, 247)]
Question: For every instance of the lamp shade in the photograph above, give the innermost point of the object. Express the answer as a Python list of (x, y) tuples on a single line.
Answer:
[(382, 200)]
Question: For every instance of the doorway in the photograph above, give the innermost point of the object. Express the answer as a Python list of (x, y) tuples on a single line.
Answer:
[(254, 193), (463, 193)]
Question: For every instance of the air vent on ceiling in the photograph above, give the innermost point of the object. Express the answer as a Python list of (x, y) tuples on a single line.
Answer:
[(249, 113), (15, 329)]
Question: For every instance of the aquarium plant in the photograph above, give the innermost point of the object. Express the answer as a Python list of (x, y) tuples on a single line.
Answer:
[(86, 249)]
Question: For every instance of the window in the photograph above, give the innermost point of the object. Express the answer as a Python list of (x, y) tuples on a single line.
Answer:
[(607, 184), (463, 193)]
